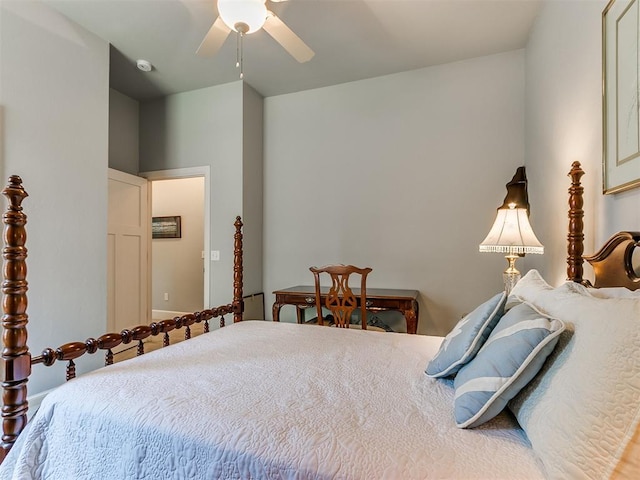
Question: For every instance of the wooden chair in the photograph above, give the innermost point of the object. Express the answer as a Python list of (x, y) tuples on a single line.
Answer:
[(340, 299)]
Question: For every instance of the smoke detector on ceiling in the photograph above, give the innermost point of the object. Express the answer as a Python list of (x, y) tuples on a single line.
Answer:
[(144, 65)]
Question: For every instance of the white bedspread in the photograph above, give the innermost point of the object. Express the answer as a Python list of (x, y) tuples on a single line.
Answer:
[(267, 400)]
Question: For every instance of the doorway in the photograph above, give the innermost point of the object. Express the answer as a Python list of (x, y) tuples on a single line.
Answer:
[(179, 262)]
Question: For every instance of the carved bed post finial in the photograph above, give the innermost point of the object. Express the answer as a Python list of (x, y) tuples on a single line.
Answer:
[(238, 306), (575, 238), (16, 360)]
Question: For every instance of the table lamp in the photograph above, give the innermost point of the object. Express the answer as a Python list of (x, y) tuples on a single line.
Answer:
[(511, 232)]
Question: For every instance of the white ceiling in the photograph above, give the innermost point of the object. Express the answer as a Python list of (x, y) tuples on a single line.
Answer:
[(352, 39)]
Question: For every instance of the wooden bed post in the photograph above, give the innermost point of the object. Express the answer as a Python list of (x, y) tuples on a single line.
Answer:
[(575, 238), (238, 305), (16, 360)]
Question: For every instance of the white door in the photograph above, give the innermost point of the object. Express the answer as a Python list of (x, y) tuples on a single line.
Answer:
[(128, 243)]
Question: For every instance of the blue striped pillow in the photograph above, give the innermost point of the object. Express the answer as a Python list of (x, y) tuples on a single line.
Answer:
[(512, 355), (466, 338)]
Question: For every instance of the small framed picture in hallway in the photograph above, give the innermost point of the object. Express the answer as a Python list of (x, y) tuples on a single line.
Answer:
[(166, 227)]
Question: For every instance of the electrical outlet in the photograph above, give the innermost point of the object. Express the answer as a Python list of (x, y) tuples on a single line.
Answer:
[(166, 297)]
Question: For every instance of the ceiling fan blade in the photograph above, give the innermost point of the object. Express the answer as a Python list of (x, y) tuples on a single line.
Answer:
[(214, 39), (289, 40)]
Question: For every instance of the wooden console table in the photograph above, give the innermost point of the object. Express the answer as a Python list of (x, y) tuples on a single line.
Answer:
[(304, 296)]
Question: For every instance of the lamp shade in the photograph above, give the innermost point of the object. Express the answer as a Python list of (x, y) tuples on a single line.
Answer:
[(511, 233), (251, 13)]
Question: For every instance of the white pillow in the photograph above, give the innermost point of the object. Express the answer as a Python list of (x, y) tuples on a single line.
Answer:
[(528, 286), (613, 292), (582, 409)]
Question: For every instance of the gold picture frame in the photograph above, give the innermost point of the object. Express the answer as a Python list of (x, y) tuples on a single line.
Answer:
[(620, 95)]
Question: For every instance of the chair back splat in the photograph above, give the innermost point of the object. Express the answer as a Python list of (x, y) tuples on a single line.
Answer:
[(340, 299)]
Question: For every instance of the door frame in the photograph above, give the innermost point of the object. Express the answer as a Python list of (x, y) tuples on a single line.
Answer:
[(190, 172)]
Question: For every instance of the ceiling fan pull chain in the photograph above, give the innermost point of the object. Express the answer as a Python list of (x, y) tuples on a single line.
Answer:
[(238, 49), (239, 45), (241, 55)]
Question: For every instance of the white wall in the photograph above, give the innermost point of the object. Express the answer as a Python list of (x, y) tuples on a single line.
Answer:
[(124, 117), (192, 129), (206, 127), (177, 262), (401, 173), (54, 90), (252, 189), (564, 124)]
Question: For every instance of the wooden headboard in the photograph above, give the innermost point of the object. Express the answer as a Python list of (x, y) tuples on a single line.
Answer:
[(613, 263), (606, 262)]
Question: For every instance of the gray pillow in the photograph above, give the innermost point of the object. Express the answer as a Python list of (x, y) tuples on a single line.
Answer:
[(466, 338), (512, 355)]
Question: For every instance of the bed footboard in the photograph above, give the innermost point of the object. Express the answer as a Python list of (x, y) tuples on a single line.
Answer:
[(16, 358), (16, 361), (73, 350)]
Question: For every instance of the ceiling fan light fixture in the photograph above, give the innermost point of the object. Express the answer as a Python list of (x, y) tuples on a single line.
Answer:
[(244, 16)]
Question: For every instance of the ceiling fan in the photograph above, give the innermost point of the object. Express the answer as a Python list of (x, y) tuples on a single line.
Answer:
[(248, 16)]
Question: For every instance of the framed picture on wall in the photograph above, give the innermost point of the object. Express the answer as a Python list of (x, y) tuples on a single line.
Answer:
[(621, 89), (166, 227)]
